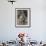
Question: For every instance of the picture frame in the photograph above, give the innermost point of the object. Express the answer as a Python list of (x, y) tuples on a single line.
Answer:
[(22, 17)]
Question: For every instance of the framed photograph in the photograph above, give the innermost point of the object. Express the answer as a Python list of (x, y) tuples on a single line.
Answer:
[(23, 17)]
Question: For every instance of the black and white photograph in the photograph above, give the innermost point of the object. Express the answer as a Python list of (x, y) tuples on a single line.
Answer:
[(23, 17)]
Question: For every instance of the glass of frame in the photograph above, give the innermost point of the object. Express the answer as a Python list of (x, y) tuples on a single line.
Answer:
[(23, 17)]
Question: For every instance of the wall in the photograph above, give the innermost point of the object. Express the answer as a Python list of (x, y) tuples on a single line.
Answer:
[(37, 31)]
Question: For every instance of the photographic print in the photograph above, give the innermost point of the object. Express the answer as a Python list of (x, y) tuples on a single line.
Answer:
[(22, 17)]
